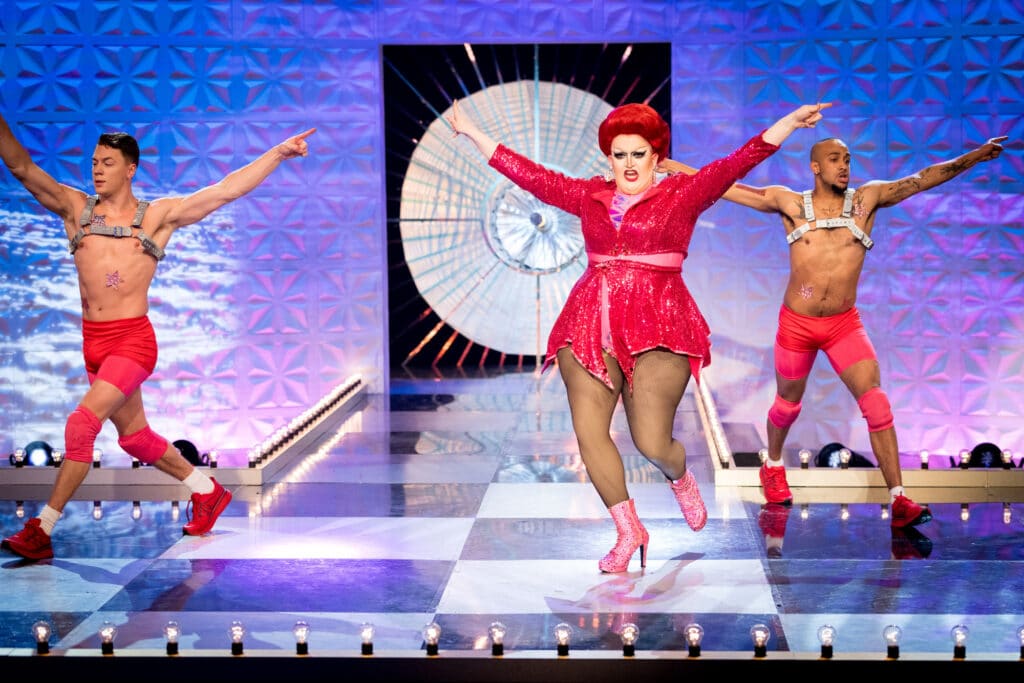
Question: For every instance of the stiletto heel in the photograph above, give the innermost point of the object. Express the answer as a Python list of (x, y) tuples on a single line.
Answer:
[(632, 535)]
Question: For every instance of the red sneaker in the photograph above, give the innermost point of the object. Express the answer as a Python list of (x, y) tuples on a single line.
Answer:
[(906, 512), (31, 542), (205, 508), (773, 519), (773, 481), (910, 544)]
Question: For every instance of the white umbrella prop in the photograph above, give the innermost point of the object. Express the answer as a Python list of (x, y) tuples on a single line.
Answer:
[(491, 260)]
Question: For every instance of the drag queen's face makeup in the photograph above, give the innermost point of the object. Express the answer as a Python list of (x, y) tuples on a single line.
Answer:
[(633, 162)]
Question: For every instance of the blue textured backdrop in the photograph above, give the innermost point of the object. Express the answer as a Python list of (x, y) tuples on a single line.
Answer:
[(269, 303)]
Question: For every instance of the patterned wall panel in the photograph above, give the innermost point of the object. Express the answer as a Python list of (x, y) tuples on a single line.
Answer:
[(274, 299)]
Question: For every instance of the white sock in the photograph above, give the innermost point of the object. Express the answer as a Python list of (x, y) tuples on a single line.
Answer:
[(774, 463), (895, 491), (48, 519), (197, 482)]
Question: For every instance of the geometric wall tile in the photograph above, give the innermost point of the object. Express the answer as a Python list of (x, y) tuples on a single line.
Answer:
[(284, 293)]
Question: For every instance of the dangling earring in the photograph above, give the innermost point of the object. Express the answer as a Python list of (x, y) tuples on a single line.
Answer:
[(609, 175)]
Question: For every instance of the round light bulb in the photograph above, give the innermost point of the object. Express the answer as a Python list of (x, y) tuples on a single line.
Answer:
[(827, 635), (97, 510), (1020, 635), (301, 632), (172, 631), (760, 635), (762, 455), (366, 636), (432, 633), (630, 634), (892, 634), (805, 456), (497, 631), (41, 630), (107, 633), (236, 631), (694, 634), (563, 633), (959, 635)]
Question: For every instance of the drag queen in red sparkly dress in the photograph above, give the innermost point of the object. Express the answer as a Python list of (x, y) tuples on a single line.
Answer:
[(630, 328)]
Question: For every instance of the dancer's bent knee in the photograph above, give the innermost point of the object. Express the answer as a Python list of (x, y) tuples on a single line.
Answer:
[(783, 413), (874, 406), (145, 445), (80, 432)]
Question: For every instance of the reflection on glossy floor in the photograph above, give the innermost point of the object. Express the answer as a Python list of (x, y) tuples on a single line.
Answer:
[(463, 501)]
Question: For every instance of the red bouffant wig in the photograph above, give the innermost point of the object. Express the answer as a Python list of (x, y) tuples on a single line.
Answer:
[(634, 119)]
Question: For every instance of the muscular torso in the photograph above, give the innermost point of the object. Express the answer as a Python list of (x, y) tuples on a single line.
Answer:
[(825, 265), (114, 274)]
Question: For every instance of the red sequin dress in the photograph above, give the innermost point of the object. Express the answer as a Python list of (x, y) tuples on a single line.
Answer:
[(644, 303)]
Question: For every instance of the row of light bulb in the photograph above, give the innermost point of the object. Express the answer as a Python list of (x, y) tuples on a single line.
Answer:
[(845, 455), (693, 634), (301, 425)]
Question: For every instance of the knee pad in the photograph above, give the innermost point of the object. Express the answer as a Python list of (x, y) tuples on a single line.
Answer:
[(874, 406), (783, 413), (80, 433), (145, 445)]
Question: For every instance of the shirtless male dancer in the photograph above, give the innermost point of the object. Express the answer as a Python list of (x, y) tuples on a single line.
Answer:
[(828, 229), (115, 271)]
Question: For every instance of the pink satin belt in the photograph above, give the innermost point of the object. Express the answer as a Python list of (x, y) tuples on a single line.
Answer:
[(666, 261)]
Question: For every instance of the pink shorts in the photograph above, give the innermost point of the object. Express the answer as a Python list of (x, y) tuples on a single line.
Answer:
[(122, 352), (842, 337)]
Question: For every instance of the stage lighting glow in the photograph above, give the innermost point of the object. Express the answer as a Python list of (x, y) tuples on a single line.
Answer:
[(827, 637), (563, 634), (237, 633), (301, 632), (107, 633), (172, 632), (892, 634), (366, 636), (432, 636), (39, 454), (497, 631), (760, 635), (959, 635), (630, 634), (693, 634), (41, 631), (805, 458)]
